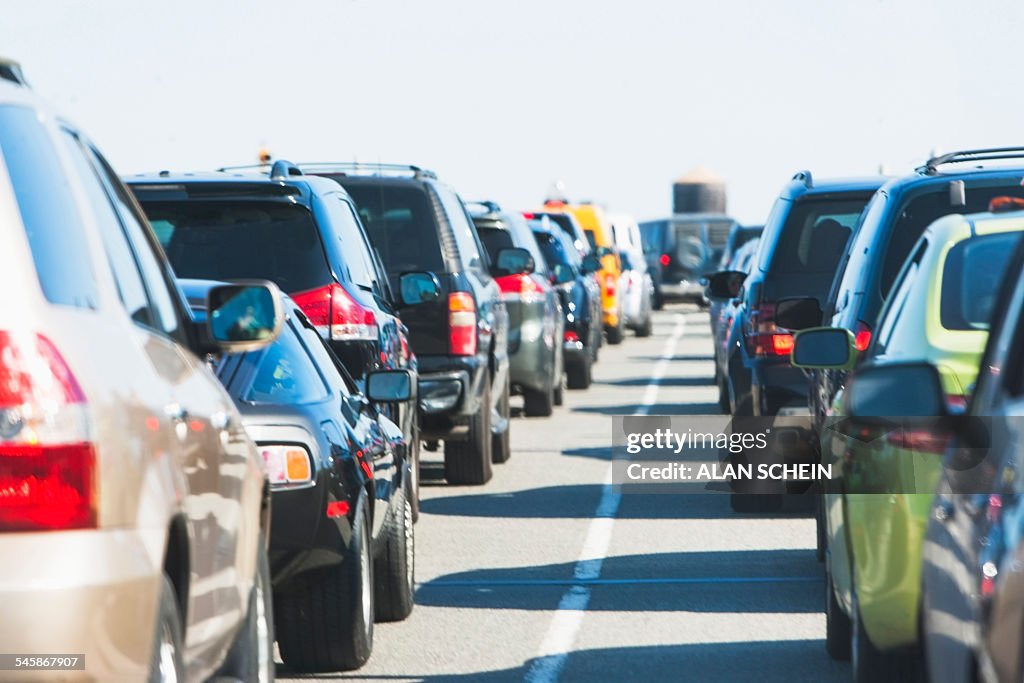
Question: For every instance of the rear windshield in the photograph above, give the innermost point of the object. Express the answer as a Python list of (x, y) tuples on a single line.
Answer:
[(971, 277), (553, 249), (401, 224), (814, 236), (237, 240), (652, 233)]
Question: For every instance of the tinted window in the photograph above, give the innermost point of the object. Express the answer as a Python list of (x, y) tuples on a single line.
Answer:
[(495, 239), (53, 226), (462, 229), (971, 278), (286, 373), (401, 224), (627, 263), (554, 251), (237, 240), (354, 245), (130, 287), (891, 317), (814, 236), (652, 233), (148, 261)]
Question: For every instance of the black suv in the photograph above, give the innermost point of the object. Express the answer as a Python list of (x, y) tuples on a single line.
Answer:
[(302, 233), (892, 224), (458, 324), (802, 244)]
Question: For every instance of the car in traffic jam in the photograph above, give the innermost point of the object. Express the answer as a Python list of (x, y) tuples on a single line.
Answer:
[(234, 398)]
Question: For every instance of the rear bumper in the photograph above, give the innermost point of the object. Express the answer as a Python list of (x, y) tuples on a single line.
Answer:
[(91, 593), (575, 353), (450, 389), (683, 290)]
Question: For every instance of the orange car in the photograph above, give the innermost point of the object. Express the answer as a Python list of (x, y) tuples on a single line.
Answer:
[(599, 234)]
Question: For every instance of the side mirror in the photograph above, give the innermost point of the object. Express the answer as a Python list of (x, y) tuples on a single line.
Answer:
[(419, 288), (798, 313), (725, 284), (591, 264), (824, 348), (390, 386), (513, 261), (563, 273), (244, 316), (904, 389)]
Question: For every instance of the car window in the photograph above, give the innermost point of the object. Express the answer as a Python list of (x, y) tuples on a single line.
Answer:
[(286, 373), (123, 266), (494, 240), (815, 233), (153, 275), (354, 245), (893, 312), (554, 251), (240, 240), (54, 229), (401, 224), (971, 276), (462, 229)]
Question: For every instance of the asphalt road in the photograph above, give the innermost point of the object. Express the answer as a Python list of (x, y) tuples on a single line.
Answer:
[(548, 574)]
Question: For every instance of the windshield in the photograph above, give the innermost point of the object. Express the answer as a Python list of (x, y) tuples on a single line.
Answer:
[(815, 234), (239, 240)]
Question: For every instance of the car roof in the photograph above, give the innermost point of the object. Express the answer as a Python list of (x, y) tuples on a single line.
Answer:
[(804, 184), (917, 179), (981, 223), (306, 185)]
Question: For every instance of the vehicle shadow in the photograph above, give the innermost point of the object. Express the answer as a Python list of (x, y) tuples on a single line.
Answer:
[(767, 661), (578, 501)]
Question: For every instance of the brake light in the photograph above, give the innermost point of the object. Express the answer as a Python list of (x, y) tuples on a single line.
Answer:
[(47, 460), (461, 324), (782, 344), (528, 215), (336, 314), (862, 337), (609, 284), (522, 287), (287, 465), (571, 336), (664, 259), (337, 508), (918, 440)]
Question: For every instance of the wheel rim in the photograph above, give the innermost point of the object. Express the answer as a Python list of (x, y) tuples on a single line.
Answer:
[(168, 670), (262, 633), (410, 549), (364, 575)]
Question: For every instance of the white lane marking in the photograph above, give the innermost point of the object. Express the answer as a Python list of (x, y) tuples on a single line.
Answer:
[(565, 624)]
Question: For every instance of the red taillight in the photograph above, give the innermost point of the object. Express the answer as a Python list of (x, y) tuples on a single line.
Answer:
[(862, 337), (782, 344), (664, 259), (529, 215), (336, 314), (461, 324), (918, 440), (47, 461), (571, 336), (522, 287), (337, 508), (609, 284)]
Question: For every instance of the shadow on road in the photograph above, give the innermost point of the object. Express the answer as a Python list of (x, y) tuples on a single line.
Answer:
[(765, 661)]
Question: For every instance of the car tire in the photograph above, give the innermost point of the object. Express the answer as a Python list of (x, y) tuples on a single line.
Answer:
[(615, 334), (414, 470), (167, 662), (578, 375), (871, 665), (501, 446), (723, 394), (838, 633), (647, 328), (539, 403), (324, 618), (559, 393), (251, 657), (821, 547), (469, 461), (395, 565), (658, 301)]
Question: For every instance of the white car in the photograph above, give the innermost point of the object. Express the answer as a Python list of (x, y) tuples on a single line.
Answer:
[(635, 282)]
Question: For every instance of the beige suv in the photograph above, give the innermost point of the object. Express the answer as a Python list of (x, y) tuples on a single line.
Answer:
[(132, 503)]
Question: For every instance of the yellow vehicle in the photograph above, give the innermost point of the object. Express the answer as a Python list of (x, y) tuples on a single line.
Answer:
[(599, 233)]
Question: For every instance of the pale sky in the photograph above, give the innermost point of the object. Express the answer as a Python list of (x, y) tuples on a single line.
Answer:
[(501, 98)]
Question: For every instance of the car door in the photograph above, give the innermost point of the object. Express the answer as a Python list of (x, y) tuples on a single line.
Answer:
[(216, 453)]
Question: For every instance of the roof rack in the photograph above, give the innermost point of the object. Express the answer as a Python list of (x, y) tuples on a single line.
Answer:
[(804, 177), (967, 156), (282, 170), (363, 168), (489, 206)]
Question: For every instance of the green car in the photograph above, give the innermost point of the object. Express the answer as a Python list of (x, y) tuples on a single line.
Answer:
[(876, 507)]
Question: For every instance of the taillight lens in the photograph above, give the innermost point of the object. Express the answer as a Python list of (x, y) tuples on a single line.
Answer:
[(521, 287), (337, 315), (862, 336), (762, 337), (47, 460), (287, 465), (571, 336), (664, 259), (918, 440), (609, 283), (782, 344), (461, 324)]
